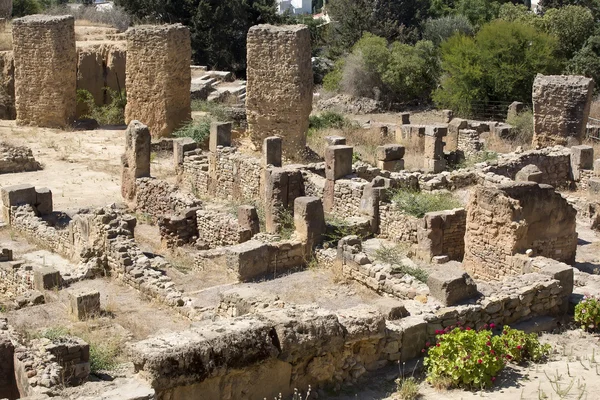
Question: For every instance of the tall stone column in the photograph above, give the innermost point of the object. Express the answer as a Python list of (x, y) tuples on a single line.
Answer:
[(136, 160)]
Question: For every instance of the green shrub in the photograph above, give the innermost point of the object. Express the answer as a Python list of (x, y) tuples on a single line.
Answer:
[(470, 359), (418, 273), (587, 313), (216, 110), (337, 228), (418, 204), (103, 356), (331, 81), (408, 388), (22, 8), (522, 124), (198, 130), (479, 157), (109, 114), (520, 346), (327, 120), (439, 29)]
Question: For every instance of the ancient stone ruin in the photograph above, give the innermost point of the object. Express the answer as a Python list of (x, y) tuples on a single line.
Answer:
[(158, 77), (279, 89)]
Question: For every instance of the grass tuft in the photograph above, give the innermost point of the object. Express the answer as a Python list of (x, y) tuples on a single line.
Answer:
[(418, 204)]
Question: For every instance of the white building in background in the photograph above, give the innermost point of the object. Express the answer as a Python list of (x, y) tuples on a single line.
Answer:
[(295, 6)]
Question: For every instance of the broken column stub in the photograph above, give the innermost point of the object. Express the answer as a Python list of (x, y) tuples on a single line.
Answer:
[(582, 158), (561, 106), (338, 161), (529, 173), (45, 60), (309, 221), (279, 85), (272, 151), (158, 77), (136, 160), (390, 157), (276, 197), (180, 147), (220, 135), (434, 160), (84, 304), (451, 286), (248, 219)]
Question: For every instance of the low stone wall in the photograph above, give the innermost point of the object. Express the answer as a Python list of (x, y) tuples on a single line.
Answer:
[(347, 196), (220, 229), (155, 198), (442, 234), (396, 225), (15, 159), (178, 230)]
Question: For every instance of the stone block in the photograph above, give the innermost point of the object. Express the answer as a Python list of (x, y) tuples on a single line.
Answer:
[(136, 159), (435, 166), (516, 107), (436, 131), (390, 152), (594, 185), (43, 202), (414, 337), (456, 124), (180, 147), (440, 259), (335, 140), (391, 309), (249, 260), (6, 255), (248, 219), (46, 278), (447, 115), (393, 166), (338, 162), (563, 273), (18, 195), (451, 287), (529, 173), (220, 135), (272, 151), (84, 305), (582, 157), (309, 220), (597, 167), (405, 118)]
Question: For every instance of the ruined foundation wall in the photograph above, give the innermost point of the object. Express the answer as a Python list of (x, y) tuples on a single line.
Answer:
[(17, 159), (158, 77), (155, 198), (44, 52), (279, 86), (220, 229), (396, 225)]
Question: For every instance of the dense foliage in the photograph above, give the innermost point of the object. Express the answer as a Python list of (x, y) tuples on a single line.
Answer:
[(587, 313)]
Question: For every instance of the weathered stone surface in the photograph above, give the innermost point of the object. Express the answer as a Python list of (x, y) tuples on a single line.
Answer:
[(46, 278), (335, 140), (516, 107), (84, 305), (338, 161), (136, 160), (220, 135), (597, 167), (272, 151), (279, 87), (158, 77), (248, 218), (51, 101), (43, 201), (582, 158), (414, 337), (393, 166), (309, 220), (389, 152), (180, 147), (451, 287), (529, 173), (18, 195), (561, 105), (594, 185), (249, 260)]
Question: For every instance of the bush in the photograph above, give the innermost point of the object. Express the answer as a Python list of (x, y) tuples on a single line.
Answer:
[(587, 313), (522, 124), (439, 29), (328, 120), (197, 130), (587, 61), (103, 356), (216, 110), (520, 346), (109, 114), (418, 204), (478, 12), (22, 8), (572, 25)]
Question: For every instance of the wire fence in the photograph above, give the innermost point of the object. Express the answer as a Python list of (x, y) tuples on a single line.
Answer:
[(492, 110)]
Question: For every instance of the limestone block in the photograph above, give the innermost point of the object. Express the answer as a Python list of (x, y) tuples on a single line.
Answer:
[(18, 195), (561, 105), (391, 309), (249, 260), (529, 173), (279, 85), (180, 147), (276, 197), (309, 220), (158, 77), (248, 219), (220, 135), (516, 107), (136, 160), (405, 118), (389, 152), (451, 287), (456, 124), (582, 157), (84, 305), (272, 151), (414, 337), (435, 166), (43, 202), (335, 140), (45, 54), (597, 167), (594, 185), (436, 131), (394, 166), (338, 161), (46, 278), (434, 148), (6, 255), (563, 273)]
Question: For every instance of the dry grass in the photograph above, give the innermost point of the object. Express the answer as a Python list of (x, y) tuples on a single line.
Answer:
[(595, 108)]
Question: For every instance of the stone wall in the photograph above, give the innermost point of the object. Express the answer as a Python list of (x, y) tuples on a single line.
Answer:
[(7, 85), (396, 225), (15, 159), (156, 198), (44, 53), (101, 66), (442, 234), (158, 77), (514, 218), (220, 229), (561, 105), (279, 87), (469, 142)]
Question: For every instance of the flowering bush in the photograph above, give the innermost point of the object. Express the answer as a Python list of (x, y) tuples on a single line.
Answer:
[(468, 358), (520, 346), (463, 357), (587, 313)]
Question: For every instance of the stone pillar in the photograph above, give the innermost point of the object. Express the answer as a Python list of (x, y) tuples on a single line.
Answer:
[(582, 158), (405, 118), (469, 141), (338, 163), (136, 160), (279, 85), (84, 305), (220, 135), (158, 77), (597, 167), (515, 108), (390, 157), (561, 106), (276, 197), (180, 147), (272, 150), (45, 70), (309, 221), (434, 148), (248, 219)]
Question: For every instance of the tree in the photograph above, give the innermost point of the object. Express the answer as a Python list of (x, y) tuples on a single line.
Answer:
[(498, 64), (572, 25), (439, 29), (478, 11), (587, 61), (22, 8), (592, 5)]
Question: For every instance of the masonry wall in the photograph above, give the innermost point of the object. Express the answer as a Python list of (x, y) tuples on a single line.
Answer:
[(44, 53), (220, 229), (279, 85), (7, 86), (155, 198), (396, 225), (158, 77), (17, 159), (442, 234)]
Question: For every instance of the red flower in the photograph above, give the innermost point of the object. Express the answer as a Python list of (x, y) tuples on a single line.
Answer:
[(427, 344), (492, 351), (479, 361), (492, 326), (519, 347), (437, 332), (488, 344), (508, 356), (493, 378), (504, 333), (422, 350), (485, 326), (437, 345), (468, 328)]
